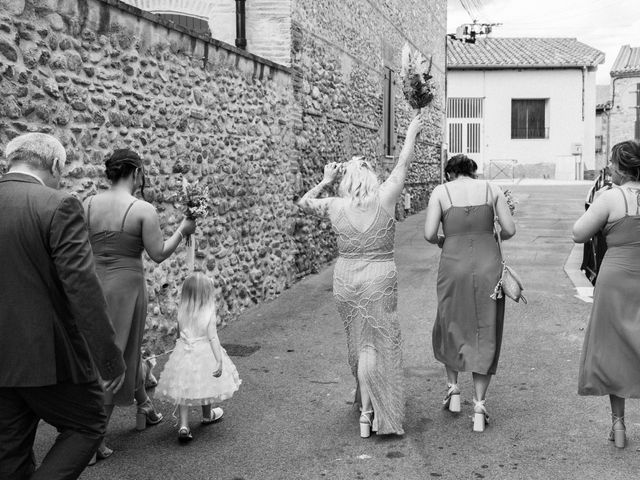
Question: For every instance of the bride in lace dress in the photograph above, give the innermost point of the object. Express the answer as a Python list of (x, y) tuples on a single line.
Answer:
[(365, 284)]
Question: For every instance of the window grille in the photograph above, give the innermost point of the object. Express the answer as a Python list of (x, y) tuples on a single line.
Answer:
[(464, 107)]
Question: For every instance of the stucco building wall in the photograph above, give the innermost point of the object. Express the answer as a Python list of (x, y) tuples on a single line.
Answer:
[(571, 112)]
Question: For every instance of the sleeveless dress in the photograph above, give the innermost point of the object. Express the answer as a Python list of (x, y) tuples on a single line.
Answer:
[(467, 333), (610, 359), (118, 259), (187, 376), (365, 288)]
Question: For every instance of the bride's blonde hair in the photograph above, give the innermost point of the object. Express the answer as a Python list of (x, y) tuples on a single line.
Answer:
[(359, 183), (197, 303)]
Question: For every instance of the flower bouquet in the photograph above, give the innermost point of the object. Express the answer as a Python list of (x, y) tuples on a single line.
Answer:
[(195, 200), (416, 85), (511, 200)]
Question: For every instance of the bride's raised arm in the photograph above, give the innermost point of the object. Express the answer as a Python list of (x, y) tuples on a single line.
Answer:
[(392, 186)]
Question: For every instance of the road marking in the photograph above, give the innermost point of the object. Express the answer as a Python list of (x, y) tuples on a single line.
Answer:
[(583, 287)]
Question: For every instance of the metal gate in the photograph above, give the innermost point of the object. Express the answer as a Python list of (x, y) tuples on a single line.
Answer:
[(464, 127)]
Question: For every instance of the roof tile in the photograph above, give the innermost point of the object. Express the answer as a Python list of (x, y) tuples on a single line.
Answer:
[(627, 62), (490, 52)]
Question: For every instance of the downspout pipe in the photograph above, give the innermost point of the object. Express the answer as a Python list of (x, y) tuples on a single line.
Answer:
[(241, 36)]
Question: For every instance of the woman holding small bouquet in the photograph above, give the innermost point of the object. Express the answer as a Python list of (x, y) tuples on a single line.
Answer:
[(365, 283), (122, 226)]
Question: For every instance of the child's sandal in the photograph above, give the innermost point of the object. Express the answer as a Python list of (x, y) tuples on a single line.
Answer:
[(215, 415), (184, 435)]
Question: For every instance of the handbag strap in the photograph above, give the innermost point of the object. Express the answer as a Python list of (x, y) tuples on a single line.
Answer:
[(495, 222)]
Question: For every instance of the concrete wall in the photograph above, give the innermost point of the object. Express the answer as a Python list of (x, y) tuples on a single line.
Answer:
[(570, 119)]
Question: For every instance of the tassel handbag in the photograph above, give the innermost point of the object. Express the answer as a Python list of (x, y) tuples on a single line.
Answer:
[(510, 284)]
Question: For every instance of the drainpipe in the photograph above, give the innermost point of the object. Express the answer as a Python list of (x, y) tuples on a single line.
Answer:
[(584, 71), (241, 39)]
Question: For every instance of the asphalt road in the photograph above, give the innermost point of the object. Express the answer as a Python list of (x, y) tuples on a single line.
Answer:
[(293, 418)]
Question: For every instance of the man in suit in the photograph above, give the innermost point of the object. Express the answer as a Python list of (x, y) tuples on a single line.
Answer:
[(55, 334)]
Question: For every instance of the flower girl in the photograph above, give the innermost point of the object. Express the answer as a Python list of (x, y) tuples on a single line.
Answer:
[(199, 371)]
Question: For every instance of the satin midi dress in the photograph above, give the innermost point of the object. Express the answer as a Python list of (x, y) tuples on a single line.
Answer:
[(610, 358), (467, 333)]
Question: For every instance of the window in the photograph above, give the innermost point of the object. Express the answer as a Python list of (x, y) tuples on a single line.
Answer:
[(528, 118), (388, 113), (598, 143)]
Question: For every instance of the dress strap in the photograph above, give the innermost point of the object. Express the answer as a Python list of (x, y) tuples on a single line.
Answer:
[(448, 194), (125, 215), (626, 204), (486, 196)]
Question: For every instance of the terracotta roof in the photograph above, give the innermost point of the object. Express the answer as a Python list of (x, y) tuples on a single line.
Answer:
[(627, 62), (603, 96), (490, 52)]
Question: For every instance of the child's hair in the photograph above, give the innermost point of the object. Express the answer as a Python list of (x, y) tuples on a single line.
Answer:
[(197, 303)]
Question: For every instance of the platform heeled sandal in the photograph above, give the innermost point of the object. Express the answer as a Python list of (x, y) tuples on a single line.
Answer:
[(618, 431), (366, 423), (480, 415), (147, 415), (452, 400)]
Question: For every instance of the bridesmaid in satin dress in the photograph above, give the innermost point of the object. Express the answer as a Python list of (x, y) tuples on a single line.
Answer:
[(610, 359)]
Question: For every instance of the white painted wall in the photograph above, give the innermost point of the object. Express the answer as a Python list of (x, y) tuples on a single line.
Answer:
[(567, 125)]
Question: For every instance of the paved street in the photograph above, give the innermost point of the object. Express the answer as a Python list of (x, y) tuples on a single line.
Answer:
[(292, 417)]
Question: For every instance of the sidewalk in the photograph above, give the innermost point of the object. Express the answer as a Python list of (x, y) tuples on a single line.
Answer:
[(293, 419)]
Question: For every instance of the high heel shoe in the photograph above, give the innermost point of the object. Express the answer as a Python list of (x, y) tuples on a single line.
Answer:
[(102, 453), (147, 415), (452, 400), (480, 416), (366, 423), (184, 435), (618, 431)]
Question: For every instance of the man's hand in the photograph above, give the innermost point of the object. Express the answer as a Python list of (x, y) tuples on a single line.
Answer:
[(114, 384)]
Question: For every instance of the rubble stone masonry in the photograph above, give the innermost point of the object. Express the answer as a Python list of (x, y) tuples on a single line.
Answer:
[(100, 75), (622, 116)]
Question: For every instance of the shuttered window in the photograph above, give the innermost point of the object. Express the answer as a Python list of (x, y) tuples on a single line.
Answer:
[(388, 113), (528, 118)]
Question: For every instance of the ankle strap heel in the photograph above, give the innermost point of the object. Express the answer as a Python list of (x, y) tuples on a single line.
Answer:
[(480, 415)]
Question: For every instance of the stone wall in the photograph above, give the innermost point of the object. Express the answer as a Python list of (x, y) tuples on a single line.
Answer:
[(339, 52), (101, 75), (622, 116)]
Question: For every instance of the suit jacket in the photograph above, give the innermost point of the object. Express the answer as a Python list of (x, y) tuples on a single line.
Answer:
[(54, 324)]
